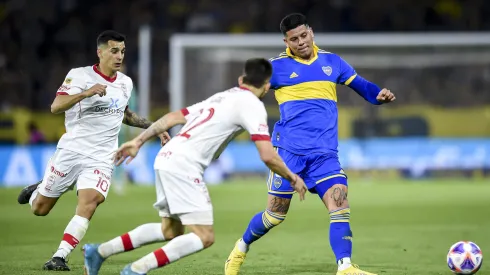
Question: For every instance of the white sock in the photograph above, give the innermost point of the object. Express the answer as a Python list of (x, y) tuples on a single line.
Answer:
[(242, 246), (141, 235), (344, 263), (175, 249), (74, 232), (33, 196)]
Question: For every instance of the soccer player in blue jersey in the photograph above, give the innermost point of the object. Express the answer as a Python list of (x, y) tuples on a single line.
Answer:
[(306, 137)]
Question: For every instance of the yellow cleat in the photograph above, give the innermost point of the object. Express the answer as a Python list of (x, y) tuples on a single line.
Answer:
[(354, 270), (234, 261)]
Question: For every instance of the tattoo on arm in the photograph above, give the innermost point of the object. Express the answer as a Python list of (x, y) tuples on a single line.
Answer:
[(133, 119), (339, 196), (279, 205), (154, 129)]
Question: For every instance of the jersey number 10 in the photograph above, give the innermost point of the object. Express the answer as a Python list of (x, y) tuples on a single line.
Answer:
[(195, 122)]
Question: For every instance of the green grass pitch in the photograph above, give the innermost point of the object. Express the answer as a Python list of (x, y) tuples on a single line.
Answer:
[(399, 228)]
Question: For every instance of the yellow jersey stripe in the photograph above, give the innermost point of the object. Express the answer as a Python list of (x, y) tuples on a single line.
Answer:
[(331, 177), (307, 90), (348, 81)]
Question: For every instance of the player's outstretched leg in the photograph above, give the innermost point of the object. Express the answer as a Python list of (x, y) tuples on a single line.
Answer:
[(261, 223), (88, 200), (95, 254), (26, 193), (202, 237), (335, 199)]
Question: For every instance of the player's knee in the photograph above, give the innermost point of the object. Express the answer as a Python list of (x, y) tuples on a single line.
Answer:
[(278, 205), (88, 200), (90, 196), (41, 206), (170, 233), (336, 197), (39, 209), (86, 209)]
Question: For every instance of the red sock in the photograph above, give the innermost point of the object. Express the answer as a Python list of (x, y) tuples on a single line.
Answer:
[(161, 257), (127, 243)]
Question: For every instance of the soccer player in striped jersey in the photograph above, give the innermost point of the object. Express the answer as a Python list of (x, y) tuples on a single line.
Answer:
[(306, 137)]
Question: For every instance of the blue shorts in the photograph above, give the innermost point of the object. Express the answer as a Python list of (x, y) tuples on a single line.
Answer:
[(320, 172)]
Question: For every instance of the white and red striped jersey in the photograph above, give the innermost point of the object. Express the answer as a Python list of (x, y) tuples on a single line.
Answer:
[(93, 124), (211, 125)]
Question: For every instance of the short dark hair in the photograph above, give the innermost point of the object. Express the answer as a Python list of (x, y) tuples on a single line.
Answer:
[(257, 71), (105, 36), (292, 21)]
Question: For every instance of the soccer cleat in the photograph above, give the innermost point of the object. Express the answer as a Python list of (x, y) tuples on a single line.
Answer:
[(234, 261), (56, 264), (93, 259), (128, 271), (354, 270), (26, 193)]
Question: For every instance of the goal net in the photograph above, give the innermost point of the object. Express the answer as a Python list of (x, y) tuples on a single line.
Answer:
[(444, 69)]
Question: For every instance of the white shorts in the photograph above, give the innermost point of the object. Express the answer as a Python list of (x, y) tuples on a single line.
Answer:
[(183, 198), (66, 168)]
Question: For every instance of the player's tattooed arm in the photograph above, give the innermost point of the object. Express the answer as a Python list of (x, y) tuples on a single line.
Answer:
[(133, 119), (161, 126)]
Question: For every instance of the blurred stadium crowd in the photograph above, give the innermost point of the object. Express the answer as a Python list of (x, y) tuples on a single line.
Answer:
[(42, 40)]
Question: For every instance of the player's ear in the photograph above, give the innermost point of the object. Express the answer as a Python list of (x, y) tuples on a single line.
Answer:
[(240, 80), (99, 53), (311, 32), (267, 86)]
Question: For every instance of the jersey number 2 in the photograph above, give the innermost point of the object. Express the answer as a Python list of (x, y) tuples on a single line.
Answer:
[(196, 123)]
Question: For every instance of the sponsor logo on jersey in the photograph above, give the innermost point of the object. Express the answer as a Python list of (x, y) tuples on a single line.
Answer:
[(114, 102), (112, 109), (98, 172), (109, 111), (56, 172)]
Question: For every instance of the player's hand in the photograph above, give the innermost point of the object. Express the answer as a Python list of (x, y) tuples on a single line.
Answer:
[(164, 138), (299, 186), (128, 150), (97, 89), (385, 96)]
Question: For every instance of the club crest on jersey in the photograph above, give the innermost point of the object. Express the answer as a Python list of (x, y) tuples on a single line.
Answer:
[(327, 70), (277, 182), (68, 80), (125, 90)]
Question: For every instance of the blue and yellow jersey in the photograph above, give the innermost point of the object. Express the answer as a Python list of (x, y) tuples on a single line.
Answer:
[(307, 97)]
